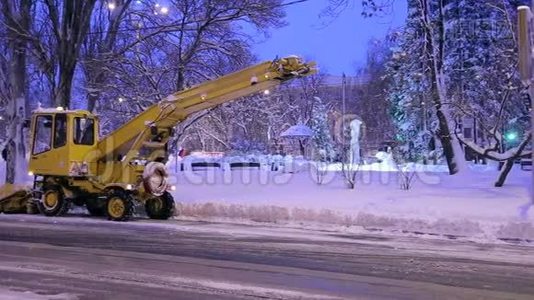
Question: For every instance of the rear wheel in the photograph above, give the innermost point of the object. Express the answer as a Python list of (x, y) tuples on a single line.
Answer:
[(160, 208), (53, 202), (119, 206)]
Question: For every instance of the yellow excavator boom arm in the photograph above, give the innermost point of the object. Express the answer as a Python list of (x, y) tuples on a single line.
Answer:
[(129, 138)]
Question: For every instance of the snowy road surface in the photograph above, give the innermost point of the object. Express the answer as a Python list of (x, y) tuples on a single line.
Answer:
[(86, 258)]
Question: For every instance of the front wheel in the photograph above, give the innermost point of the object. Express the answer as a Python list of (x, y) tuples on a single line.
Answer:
[(119, 206), (53, 202), (160, 208)]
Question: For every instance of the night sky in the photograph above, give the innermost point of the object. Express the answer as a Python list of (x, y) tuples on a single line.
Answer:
[(339, 47)]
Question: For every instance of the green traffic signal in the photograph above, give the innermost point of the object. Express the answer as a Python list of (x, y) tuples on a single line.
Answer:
[(511, 136)]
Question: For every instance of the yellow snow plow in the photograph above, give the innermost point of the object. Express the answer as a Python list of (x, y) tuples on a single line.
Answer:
[(14, 198), (113, 174)]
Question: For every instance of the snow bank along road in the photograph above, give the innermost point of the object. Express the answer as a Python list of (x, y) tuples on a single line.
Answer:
[(462, 205), (84, 258)]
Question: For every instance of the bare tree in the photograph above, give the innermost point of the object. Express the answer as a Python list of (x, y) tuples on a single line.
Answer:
[(372, 104), (493, 149), (435, 40), (69, 23), (496, 109), (99, 48), (149, 56)]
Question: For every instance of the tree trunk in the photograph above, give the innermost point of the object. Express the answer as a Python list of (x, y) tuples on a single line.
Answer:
[(446, 139), (180, 81), (70, 24), (433, 55), (95, 85), (16, 164), (17, 20), (91, 102), (66, 76), (504, 172), (510, 161)]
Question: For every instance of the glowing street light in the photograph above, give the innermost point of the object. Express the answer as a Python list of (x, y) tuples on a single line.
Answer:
[(111, 6), (120, 99), (164, 10), (511, 136)]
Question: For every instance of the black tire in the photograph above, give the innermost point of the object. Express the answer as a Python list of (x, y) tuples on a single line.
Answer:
[(119, 206), (53, 202), (96, 207), (160, 208)]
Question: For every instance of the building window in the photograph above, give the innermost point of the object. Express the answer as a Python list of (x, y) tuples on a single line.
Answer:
[(468, 133)]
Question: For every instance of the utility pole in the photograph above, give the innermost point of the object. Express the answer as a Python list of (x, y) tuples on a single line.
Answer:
[(526, 63), (343, 114)]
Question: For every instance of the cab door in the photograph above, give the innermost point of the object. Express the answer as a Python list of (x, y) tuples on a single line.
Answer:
[(49, 147), (60, 152), (40, 161)]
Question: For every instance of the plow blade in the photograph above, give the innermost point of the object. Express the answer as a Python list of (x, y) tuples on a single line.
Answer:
[(14, 198)]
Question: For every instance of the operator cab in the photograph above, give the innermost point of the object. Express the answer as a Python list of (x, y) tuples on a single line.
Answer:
[(62, 142)]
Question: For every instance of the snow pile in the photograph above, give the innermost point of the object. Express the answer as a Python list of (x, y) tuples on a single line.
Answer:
[(16, 294), (465, 205)]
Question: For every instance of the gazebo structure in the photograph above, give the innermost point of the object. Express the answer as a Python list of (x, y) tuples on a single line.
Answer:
[(301, 133)]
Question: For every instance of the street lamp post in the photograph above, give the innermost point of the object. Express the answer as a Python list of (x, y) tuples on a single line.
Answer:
[(526, 31), (343, 114)]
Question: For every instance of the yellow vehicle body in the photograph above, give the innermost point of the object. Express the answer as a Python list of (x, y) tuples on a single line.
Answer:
[(72, 165), (59, 157)]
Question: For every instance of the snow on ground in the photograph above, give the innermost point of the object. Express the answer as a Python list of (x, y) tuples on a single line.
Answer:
[(462, 205), (466, 205), (14, 294)]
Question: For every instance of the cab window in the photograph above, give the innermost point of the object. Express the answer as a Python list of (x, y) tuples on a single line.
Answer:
[(60, 130), (43, 134), (84, 131)]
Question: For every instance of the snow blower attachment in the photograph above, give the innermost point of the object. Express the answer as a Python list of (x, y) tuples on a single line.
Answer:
[(14, 199), (108, 176), (155, 178)]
